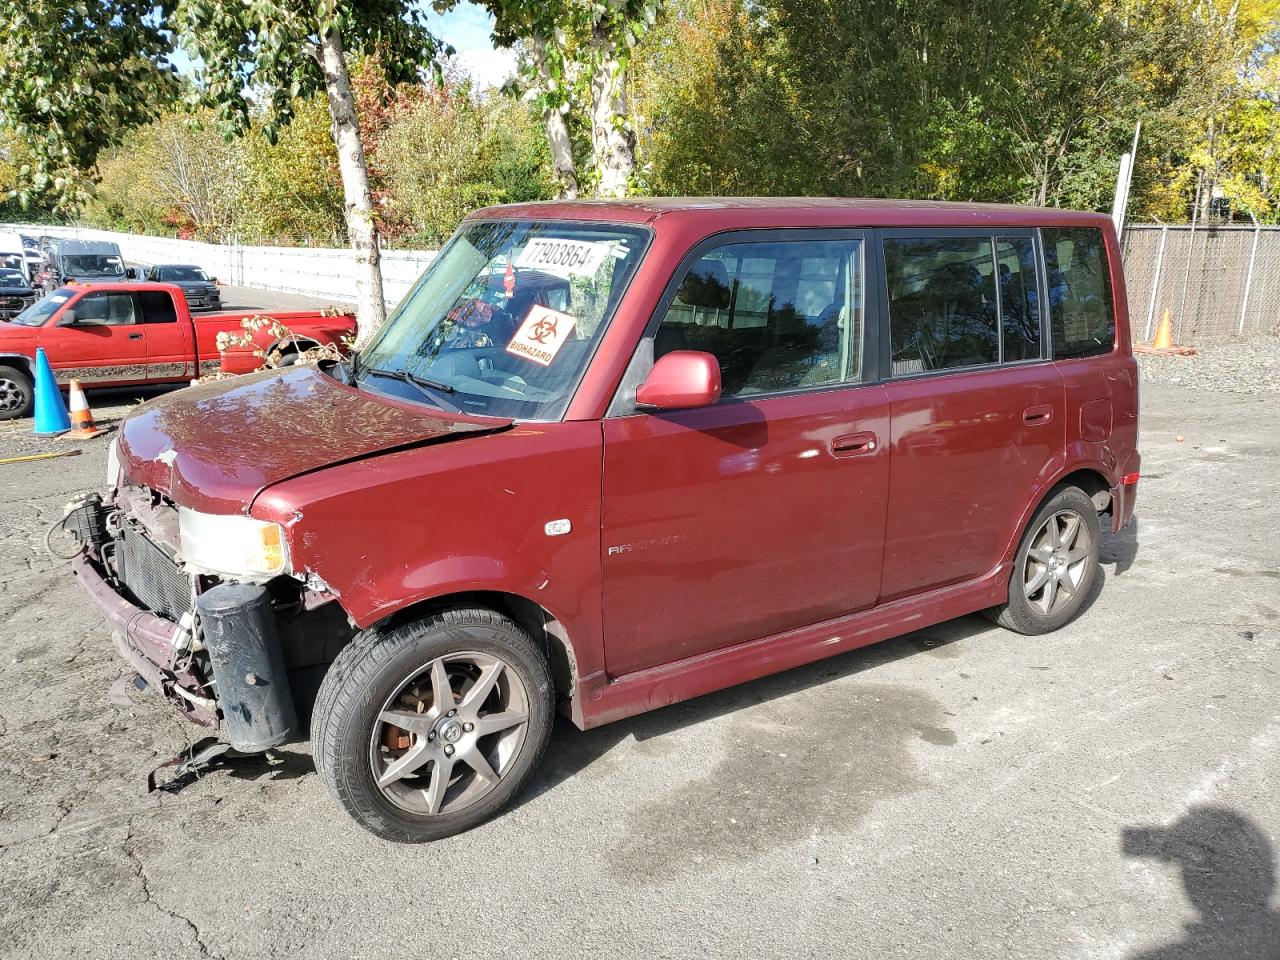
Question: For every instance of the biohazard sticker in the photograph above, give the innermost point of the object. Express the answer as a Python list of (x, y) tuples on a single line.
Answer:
[(566, 258), (542, 334)]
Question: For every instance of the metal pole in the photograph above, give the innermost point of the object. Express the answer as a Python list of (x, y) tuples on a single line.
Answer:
[(1191, 246), (1155, 284), (1248, 280), (1117, 205)]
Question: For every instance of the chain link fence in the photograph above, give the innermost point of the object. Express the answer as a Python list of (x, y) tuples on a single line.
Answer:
[(1215, 281)]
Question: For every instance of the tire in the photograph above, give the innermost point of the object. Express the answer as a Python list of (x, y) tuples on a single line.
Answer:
[(1059, 584), (430, 789), (17, 395)]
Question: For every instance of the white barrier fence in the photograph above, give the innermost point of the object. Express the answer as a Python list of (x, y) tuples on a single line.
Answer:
[(322, 272)]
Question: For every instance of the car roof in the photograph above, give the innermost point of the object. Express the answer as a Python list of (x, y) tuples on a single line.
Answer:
[(715, 212)]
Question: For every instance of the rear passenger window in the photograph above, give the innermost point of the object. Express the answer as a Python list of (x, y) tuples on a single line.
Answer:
[(1081, 306), (157, 306), (776, 315), (1019, 300), (942, 303)]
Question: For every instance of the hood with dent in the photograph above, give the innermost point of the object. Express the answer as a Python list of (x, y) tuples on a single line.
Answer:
[(216, 446)]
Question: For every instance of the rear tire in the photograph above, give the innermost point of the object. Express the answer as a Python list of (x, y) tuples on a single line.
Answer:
[(1055, 566), (429, 728), (17, 396)]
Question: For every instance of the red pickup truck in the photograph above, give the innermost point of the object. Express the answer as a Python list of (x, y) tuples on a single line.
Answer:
[(126, 334)]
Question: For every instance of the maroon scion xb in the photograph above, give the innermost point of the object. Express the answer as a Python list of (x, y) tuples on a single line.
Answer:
[(609, 456)]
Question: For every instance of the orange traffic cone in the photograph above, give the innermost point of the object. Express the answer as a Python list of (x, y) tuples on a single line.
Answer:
[(82, 427), (1164, 332)]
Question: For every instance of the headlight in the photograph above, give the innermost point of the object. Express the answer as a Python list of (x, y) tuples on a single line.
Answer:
[(113, 464), (231, 545)]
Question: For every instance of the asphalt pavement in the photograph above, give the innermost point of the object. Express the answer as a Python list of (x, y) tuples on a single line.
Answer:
[(1108, 791)]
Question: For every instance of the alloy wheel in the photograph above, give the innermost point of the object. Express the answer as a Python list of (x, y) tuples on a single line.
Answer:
[(12, 396), (1057, 563), (449, 733)]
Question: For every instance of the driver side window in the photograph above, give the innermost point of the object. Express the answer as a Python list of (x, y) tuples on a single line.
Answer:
[(776, 315), (110, 309)]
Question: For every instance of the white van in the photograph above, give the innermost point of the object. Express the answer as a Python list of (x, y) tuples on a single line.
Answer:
[(13, 254)]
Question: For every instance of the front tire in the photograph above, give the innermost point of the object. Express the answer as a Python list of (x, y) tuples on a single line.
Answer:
[(1055, 566), (17, 396), (428, 729)]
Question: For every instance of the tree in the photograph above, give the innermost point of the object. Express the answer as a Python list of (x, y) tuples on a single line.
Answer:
[(75, 77), (175, 173), (283, 52), (567, 42)]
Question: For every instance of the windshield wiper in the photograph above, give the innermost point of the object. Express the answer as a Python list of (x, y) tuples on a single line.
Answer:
[(426, 386)]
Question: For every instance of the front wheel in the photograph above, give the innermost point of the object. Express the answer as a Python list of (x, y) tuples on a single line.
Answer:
[(1055, 566), (16, 394), (428, 729)]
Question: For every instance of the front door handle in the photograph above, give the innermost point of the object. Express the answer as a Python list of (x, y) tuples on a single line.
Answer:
[(135, 336), (853, 444), (1034, 416)]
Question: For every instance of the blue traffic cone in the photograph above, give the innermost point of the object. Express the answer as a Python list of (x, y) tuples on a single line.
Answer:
[(51, 410)]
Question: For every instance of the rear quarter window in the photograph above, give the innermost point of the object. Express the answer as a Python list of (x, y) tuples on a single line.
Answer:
[(1081, 304)]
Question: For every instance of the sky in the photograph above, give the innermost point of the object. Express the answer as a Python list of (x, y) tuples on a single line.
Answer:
[(466, 28)]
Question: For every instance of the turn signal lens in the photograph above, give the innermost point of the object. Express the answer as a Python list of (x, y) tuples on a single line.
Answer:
[(1129, 479)]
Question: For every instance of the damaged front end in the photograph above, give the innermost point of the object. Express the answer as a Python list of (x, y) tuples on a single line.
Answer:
[(243, 657)]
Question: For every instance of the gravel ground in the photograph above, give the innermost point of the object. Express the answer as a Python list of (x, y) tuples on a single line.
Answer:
[(1107, 792), (1234, 366)]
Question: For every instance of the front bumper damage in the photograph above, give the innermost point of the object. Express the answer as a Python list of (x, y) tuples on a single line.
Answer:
[(146, 642), (212, 649)]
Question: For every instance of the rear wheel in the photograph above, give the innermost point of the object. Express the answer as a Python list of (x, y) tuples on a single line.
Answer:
[(16, 394), (430, 728), (1055, 566)]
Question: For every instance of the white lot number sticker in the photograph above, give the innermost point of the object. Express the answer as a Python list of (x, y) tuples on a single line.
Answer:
[(570, 258), (542, 334)]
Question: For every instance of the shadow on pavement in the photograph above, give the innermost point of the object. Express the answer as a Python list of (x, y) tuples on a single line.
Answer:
[(1229, 875)]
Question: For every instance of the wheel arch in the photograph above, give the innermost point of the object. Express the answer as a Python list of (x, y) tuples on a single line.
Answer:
[(547, 630), (19, 360), (1093, 478)]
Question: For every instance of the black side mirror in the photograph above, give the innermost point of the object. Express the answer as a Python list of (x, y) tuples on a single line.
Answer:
[(131, 273)]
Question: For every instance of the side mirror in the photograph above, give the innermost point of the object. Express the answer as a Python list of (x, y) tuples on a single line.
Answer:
[(131, 273), (213, 279), (68, 318), (681, 379)]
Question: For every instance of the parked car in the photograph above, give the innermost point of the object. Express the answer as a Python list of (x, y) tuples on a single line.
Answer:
[(119, 334), (16, 293), (607, 457), (201, 289), (87, 261)]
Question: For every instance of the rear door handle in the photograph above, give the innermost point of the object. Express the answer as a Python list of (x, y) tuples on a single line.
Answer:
[(1037, 415), (853, 444), (135, 336)]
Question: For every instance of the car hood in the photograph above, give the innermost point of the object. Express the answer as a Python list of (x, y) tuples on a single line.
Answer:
[(16, 291), (216, 446), (193, 284)]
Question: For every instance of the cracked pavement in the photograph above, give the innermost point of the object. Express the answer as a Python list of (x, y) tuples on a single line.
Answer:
[(1104, 792)]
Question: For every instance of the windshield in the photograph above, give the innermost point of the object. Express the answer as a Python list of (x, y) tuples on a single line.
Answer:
[(12, 261), (12, 278), (505, 319), (179, 274), (43, 309), (92, 265)]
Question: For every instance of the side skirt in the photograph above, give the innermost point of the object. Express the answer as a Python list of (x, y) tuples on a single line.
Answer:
[(654, 687)]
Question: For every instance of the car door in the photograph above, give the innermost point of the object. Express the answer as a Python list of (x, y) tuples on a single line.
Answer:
[(104, 345), (977, 408), (765, 511), (170, 350)]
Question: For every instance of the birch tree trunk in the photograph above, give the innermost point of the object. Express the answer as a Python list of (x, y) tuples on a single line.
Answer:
[(612, 146), (562, 164), (357, 208)]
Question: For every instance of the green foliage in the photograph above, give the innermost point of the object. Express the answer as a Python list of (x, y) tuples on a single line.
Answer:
[(452, 150), (1009, 100), (74, 78), (175, 175), (265, 53)]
